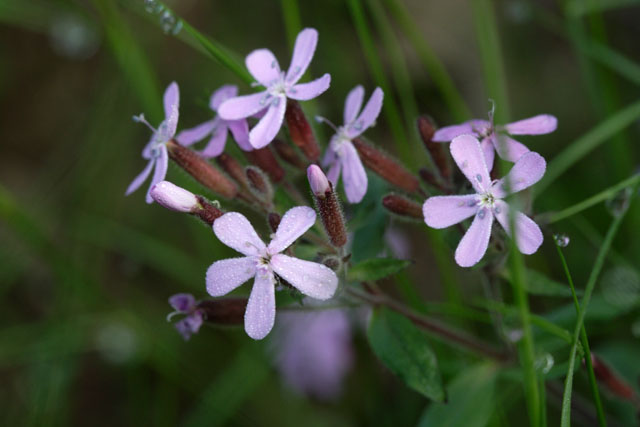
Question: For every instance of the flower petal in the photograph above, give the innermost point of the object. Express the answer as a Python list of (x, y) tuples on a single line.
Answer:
[(234, 230), (353, 103), (528, 170), (368, 116), (448, 133), (469, 156), (216, 144), (309, 90), (263, 66), (269, 125), (474, 243), (508, 148), (489, 152), (261, 307), (312, 279), (240, 131), (528, 234), (160, 170), (303, 52), (243, 106), (222, 94), (334, 173), (171, 104), (182, 302), (227, 274), (188, 137), (354, 177), (536, 125), (445, 211), (140, 179), (329, 157), (295, 222)]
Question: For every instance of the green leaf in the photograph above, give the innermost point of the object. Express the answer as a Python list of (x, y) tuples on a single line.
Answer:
[(376, 269), (470, 403), (404, 349)]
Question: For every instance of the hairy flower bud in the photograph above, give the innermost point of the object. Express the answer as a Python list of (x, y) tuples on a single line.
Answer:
[(173, 197), (233, 168), (265, 160), (206, 211), (259, 183), (388, 168), (300, 131), (202, 171), (225, 311), (610, 379), (402, 206), (328, 206), (431, 179), (288, 154), (438, 152)]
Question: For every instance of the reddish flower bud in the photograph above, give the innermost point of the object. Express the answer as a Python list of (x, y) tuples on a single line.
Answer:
[(265, 160), (225, 311), (402, 206), (388, 168), (610, 379), (300, 131), (438, 151), (274, 221), (207, 212), (201, 170), (328, 206), (233, 168), (259, 183), (288, 154), (431, 179)]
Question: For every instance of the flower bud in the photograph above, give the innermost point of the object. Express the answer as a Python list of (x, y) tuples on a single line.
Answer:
[(431, 179), (202, 170), (402, 206), (317, 181), (288, 154), (610, 379), (224, 311), (438, 152), (173, 197), (386, 167), (300, 131), (265, 160), (259, 183), (233, 168), (328, 206), (274, 221), (206, 211)]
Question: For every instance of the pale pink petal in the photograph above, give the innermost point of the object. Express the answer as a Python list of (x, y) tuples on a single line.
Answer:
[(508, 148), (216, 144), (368, 116), (334, 172), (312, 279), (469, 156), (222, 94), (354, 177), (227, 274), (261, 307), (329, 157), (263, 66), (474, 243), (171, 104), (448, 133), (240, 131), (528, 234), (303, 52), (243, 106), (353, 104), (537, 125), (489, 152), (160, 170), (268, 126), (188, 137), (295, 222), (140, 179), (182, 302), (307, 91), (234, 230), (445, 211), (528, 170)]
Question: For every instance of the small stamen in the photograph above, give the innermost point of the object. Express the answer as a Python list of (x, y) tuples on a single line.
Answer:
[(141, 119), (321, 119)]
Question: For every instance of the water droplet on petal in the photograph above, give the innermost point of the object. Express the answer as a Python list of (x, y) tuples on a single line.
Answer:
[(274, 64), (497, 209), (479, 177), (482, 213), (275, 102), (464, 164)]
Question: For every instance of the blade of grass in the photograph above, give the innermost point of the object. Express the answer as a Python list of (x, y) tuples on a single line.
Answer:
[(291, 18)]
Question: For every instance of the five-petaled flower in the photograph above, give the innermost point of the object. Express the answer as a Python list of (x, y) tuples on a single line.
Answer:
[(264, 67), (494, 137), (186, 304), (217, 128), (487, 203), (156, 150), (263, 262), (341, 154)]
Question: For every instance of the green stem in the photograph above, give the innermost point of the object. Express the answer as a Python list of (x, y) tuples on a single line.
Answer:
[(291, 18)]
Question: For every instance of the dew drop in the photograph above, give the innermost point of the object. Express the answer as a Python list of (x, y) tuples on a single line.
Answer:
[(274, 64), (152, 6), (462, 203), (544, 363), (479, 177), (561, 240), (168, 22), (275, 102), (358, 126), (464, 164), (497, 209), (482, 214), (472, 203), (618, 204), (292, 90), (264, 99)]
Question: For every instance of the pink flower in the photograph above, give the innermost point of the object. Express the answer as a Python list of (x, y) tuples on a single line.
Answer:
[(487, 203), (341, 155), (156, 150), (263, 263), (497, 138), (217, 127), (264, 67), (173, 197), (186, 304)]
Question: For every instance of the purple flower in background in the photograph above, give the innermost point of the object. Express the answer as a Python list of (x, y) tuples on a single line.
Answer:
[(497, 138), (341, 156), (156, 150), (186, 304), (487, 203), (313, 351), (264, 67), (217, 127), (261, 262)]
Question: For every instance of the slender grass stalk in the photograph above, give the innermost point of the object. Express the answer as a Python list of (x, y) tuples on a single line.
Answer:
[(585, 344), (377, 70), (452, 97), (291, 18), (593, 200)]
